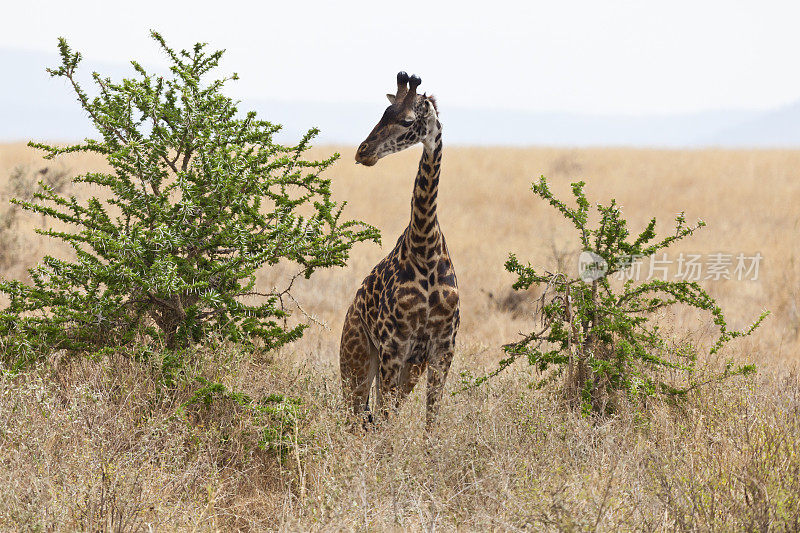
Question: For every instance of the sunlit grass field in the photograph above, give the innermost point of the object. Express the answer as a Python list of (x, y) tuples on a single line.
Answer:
[(83, 440)]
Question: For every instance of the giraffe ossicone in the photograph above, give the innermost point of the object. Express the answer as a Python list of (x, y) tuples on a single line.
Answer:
[(405, 316)]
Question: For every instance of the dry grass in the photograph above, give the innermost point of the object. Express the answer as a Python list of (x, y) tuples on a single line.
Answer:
[(94, 445)]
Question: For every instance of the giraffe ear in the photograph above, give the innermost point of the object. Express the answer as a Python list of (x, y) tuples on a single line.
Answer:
[(391, 98)]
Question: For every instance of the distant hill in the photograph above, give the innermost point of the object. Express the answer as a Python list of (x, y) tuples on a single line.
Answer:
[(779, 128), (349, 123), (35, 106)]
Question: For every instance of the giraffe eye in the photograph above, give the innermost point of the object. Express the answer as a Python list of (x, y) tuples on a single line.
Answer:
[(406, 122)]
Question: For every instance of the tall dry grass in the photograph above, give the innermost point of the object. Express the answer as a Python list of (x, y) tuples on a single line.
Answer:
[(93, 445)]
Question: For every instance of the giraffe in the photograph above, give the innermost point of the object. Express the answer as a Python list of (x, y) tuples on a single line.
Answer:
[(405, 316)]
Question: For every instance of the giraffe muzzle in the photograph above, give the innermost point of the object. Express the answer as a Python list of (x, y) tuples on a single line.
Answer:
[(363, 157)]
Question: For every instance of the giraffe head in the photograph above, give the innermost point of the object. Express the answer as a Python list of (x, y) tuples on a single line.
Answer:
[(411, 118)]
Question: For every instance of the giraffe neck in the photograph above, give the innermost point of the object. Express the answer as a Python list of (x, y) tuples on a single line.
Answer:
[(424, 239)]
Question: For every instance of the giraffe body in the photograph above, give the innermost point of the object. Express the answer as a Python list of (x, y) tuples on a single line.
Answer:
[(405, 315)]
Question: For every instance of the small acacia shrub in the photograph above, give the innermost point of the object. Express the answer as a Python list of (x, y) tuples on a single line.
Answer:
[(601, 337), (198, 198), (276, 415), (9, 239), (22, 184)]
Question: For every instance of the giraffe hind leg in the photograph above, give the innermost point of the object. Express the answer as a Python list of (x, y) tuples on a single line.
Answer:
[(358, 362)]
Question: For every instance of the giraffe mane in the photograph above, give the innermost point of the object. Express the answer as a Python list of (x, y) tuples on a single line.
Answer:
[(432, 99)]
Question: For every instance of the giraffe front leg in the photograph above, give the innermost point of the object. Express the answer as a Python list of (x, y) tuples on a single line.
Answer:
[(387, 385), (437, 375), (395, 384), (358, 362), (409, 376), (396, 377)]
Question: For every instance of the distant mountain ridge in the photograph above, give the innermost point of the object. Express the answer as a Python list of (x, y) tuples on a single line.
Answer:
[(775, 129), (34, 106)]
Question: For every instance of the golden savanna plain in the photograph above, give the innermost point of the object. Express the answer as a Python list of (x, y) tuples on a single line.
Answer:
[(99, 444)]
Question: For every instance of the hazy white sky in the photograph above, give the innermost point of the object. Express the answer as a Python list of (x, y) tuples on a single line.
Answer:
[(581, 56)]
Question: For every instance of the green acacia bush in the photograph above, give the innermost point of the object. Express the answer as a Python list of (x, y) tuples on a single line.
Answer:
[(198, 198), (603, 338)]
